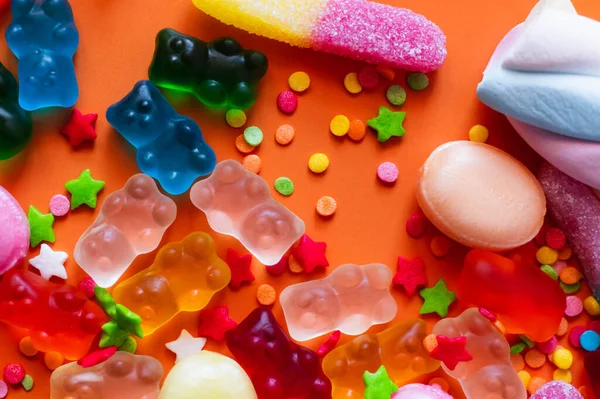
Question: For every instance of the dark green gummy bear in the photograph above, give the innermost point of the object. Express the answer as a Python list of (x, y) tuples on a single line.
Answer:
[(221, 74), (15, 123)]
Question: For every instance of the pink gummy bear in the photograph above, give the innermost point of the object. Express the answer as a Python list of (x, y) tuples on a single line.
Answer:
[(557, 390), (14, 232), (490, 373), (238, 203), (132, 221), (122, 376), (420, 391), (351, 299)]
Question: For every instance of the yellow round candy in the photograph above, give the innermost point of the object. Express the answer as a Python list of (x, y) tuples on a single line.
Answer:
[(299, 81), (562, 375), (546, 255), (591, 305), (318, 163), (479, 134), (524, 376), (235, 118), (562, 358), (340, 125), (352, 84)]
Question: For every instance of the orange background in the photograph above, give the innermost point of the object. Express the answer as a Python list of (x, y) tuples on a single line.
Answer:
[(116, 47)]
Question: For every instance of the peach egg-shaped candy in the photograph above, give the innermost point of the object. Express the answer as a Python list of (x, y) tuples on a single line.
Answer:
[(480, 196)]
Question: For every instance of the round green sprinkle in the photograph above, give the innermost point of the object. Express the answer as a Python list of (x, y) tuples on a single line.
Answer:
[(130, 345), (27, 382), (284, 186), (570, 288), (417, 81), (235, 118), (253, 136), (396, 95), (549, 270)]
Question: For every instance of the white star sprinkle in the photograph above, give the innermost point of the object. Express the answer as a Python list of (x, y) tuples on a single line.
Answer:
[(185, 345), (50, 263)]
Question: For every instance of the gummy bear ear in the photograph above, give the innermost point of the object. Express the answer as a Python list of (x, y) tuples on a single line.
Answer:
[(20, 7), (227, 46), (58, 10), (257, 63)]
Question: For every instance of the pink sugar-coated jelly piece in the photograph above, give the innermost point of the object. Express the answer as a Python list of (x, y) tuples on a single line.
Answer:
[(14, 232), (559, 265), (3, 389), (557, 390), (574, 306), (380, 34), (59, 205), (575, 335), (420, 391), (387, 172), (548, 346), (287, 101), (576, 210)]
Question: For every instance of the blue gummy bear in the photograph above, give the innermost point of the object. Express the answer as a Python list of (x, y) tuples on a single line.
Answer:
[(43, 36), (170, 147)]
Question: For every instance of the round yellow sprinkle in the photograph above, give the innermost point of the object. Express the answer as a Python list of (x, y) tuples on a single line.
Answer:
[(546, 255), (235, 118), (524, 376), (318, 163), (562, 358), (590, 304), (339, 125), (479, 134), (562, 375), (299, 81), (352, 84)]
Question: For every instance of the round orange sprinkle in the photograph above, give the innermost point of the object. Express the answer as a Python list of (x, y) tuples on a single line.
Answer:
[(535, 359), (53, 360), (252, 162), (285, 134), (326, 205), (389, 74), (569, 275), (266, 294), (358, 129), (27, 348), (535, 383), (565, 253), (440, 246), (242, 145), (517, 362), (294, 266), (442, 383), (563, 327), (430, 342)]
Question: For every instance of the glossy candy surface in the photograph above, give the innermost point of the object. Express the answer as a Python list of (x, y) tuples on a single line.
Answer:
[(122, 376), (238, 203), (132, 221), (183, 278), (399, 348), (219, 73), (278, 367), (351, 299), (14, 232), (420, 391), (43, 36), (170, 147), (58, 317), (15, 123), (513, 292)]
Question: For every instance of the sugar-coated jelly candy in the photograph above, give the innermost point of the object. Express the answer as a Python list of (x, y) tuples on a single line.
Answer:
[(420, 391), (183, 278), (351, 299), (219, 73), (14, 232), (278, 367), (490, 373), (15, 122), (557, 390), (170, 147), (58, 317), (207, 375), (480, 196), (122, 376), (132, 221), (238, 203), (44, 38), (399, 348)]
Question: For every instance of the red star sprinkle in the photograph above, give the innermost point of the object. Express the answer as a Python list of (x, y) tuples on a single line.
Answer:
[(214, 323), (80, 128), (410, 275), (310, 254), (240, 268), (451, 351)]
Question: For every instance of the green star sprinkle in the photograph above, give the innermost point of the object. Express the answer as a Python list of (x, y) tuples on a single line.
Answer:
[(112, 335), (130, 345), (388, 124), (129, 321), (437, 299), (84, 190), (378, 385), (106, 301), (40, 226)]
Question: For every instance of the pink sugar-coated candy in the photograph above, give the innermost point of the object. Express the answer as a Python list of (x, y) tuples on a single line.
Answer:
[(574, 306), (557, 390), (3, 389), (387, 172), (575, 335), (14, 232), (576, 210), (59, 205), (416, 224), (548, 346), (368, 77), (559, 265), (14, 373), (420, 391), (287, 101)]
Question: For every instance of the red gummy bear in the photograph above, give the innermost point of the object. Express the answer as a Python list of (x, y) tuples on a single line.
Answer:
[(278, 367)]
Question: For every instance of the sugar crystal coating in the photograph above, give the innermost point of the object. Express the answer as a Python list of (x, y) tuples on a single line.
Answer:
[(420, 391), (557, 390), (14, 232)]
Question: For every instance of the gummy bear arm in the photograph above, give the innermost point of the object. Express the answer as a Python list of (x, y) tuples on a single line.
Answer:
[(15, 37), (66, 37)]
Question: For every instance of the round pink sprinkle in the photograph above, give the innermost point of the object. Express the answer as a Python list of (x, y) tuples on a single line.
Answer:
[(59, 205), (574, 306), (287, 101), (387, 172), (548, 346), (3, 389), (575, 334), (416, 225), (368, 77), (559, 265)]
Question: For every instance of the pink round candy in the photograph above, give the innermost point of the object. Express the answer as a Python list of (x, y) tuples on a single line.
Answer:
[(59, 205), (557, 390), (574, 306), (559, 265), (575, 334), (3, 389), (420, 391), (287, 101), (368, 77), (387, 172), (548, 346)]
